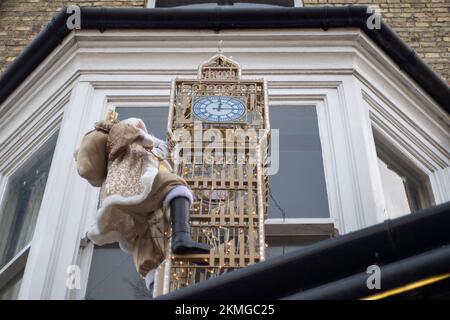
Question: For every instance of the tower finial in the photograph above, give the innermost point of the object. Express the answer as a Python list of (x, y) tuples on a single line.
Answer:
[(219, 46)]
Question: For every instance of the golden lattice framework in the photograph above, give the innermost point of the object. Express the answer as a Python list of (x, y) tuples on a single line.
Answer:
[(231, 194)]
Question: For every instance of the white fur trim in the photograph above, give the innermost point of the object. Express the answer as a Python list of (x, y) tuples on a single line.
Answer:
[(178, 191), (147, 136), (158, 142), (151, 140), (95, 233), (135, 122)]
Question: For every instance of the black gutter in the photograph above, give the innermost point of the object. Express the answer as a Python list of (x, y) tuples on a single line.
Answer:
[(330, 260), (30, 58), (398, 274), (226, 18)]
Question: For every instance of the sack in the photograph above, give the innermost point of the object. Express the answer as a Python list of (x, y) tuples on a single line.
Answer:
[(91, 157)]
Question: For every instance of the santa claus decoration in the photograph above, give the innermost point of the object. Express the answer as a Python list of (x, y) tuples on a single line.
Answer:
[(140, 195)]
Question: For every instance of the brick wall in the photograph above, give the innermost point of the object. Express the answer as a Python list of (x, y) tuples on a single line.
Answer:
[(22, 20), (423, 24)]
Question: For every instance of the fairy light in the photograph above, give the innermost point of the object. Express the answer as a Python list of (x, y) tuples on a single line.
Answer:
[(260, 206), (215, 236)]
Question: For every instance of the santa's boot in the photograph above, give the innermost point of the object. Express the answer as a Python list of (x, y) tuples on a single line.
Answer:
[(182, 242)]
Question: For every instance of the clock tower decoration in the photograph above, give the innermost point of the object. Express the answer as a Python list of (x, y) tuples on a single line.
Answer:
[(218, 131)]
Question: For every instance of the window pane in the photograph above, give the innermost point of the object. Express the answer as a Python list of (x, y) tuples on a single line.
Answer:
[(406, 187), (279, 246), (22, 201), (113, 274), (299, 186), (394, 191), (233, 3), (11, 290), (155, 119)]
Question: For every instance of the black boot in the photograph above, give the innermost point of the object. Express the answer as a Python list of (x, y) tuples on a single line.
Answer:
[(182, 242)]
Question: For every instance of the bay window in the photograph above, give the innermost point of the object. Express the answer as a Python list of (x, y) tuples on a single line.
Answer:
[(19, 210), (405, 189)]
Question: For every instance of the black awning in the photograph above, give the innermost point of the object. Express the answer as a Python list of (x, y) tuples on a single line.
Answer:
[(406, 249)]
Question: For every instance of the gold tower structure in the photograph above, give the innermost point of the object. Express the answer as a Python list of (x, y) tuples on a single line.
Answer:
[(218, 131)]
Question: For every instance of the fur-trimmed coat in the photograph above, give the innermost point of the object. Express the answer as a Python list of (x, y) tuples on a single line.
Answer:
[(130, 166)]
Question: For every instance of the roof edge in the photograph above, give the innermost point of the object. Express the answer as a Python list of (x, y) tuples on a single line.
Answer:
[(323, 17)]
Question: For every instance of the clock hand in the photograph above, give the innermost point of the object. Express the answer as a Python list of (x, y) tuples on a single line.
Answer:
[(223, 108)]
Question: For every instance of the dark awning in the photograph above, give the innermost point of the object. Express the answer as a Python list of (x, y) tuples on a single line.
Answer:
[(407, 249)]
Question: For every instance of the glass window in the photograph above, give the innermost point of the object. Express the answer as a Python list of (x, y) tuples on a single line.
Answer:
[(299, 187), (11, 290), (112, 274), (20, 207), (281, 245), (394, 191), (404, 190), (155, 119), (231, 3)]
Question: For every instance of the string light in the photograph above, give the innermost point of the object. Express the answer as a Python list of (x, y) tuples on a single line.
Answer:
[(215, 236)]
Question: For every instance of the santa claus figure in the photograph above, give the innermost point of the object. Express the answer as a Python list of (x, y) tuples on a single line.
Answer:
[(139, 193)]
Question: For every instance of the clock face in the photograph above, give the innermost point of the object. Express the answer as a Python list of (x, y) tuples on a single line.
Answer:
[(219, 109)]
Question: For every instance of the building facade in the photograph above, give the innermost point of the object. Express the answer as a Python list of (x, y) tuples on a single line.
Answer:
[(423, 24), (361, 138)]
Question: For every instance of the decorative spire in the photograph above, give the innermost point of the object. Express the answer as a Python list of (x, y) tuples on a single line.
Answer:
[(219, 67)]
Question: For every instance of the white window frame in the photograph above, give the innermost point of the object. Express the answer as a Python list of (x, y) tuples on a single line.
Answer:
[(315, 225), (19, 145), (398, 134), (405, 168)]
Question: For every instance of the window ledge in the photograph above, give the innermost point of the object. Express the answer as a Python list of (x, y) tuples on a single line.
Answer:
[(305, 229)]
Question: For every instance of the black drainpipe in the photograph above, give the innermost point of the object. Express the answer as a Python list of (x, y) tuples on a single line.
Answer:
[(225, 18), (397, 274)]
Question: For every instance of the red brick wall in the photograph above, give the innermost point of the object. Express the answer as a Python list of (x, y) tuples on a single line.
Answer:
[(423, 24), (22, 20)]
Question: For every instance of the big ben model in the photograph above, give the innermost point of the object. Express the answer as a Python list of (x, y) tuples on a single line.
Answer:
[(218, 131)]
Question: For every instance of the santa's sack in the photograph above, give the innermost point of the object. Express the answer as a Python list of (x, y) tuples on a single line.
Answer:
[(91, 157)]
